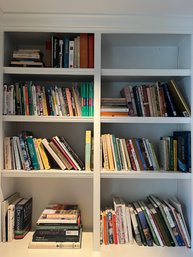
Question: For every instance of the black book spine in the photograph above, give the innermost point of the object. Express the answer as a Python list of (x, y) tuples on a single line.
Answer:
[(71, 151)]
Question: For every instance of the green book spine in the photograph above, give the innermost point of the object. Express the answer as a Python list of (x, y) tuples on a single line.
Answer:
[(91, 99), (87, 98), (149, 222), (116, 152), (32, 153), (30, 97), (22, 99), (83, 98), (88, 150)]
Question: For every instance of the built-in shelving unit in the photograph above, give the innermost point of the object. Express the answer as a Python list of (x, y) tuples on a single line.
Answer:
[(122, 57)]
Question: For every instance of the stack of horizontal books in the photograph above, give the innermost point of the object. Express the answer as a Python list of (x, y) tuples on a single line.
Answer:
[(114, 107), (59, 226), (27, 58)]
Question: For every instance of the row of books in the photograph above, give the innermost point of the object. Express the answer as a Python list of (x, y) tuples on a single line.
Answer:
[(127, 154), (139, 154), (152, 222), (159, 100), (30, 99), (175, 151), (27, 58), (25, 152), (72, 51), (16, 217), (58, 223)]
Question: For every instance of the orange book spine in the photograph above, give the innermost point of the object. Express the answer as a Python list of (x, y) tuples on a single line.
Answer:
[(69, 101)]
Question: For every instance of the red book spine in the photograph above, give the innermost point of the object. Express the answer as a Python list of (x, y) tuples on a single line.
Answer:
[(115, 235), (55, 141), (129, 148), (91, 51)]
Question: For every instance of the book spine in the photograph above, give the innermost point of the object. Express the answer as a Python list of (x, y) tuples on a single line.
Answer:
[(43, 154), (53, 154), (88, 150), (90, 50), (84, 50), (63, 149), (32, 153), (72, 153)]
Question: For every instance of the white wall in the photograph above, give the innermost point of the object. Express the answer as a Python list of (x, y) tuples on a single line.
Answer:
[(155, 7)]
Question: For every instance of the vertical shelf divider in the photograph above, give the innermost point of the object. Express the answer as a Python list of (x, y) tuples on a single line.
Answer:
[(97, 161)]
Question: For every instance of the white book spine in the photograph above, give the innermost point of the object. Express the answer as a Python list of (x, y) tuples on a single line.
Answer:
[(53, 154), (5, 100), (16, 152), (71, 54), (58, 102)]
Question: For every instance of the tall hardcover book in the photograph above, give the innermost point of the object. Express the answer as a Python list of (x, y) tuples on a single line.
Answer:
[(4, 205), (90, 50), (84, 50), (144, 224), (183, 150), (32, 152), (179, 100), (55, 52), (53, 154), (23, 218), (88, 139)]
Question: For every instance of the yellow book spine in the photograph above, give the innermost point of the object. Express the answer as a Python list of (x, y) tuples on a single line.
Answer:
[(38, 154), (110, 153), (43, 154), (105, 154), (88, 150), (45, 109)]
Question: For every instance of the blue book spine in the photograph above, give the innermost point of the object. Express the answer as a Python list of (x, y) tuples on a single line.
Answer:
[(66, 52), (141, 154), (145, 227), (169, 101)]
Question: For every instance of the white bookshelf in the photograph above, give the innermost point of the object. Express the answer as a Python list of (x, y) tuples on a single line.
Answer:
[(129, 54)]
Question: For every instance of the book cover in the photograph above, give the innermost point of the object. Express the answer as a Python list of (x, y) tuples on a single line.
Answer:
[(181, 104), (166, 217), (144, 224), (135, 226), (53, 154), (32, 153), (60, 213), (90, 50), (11, 219), (7, 153), (183, 150), (150, 222), (171, 110), (60, 155), (162, 224), (56, 245), (23, 214), (77, 159), (4, 207), (88, 150), (55, 52)]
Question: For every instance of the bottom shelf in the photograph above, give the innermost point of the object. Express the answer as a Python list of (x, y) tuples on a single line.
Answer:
[(144, 251), (20, 248)]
